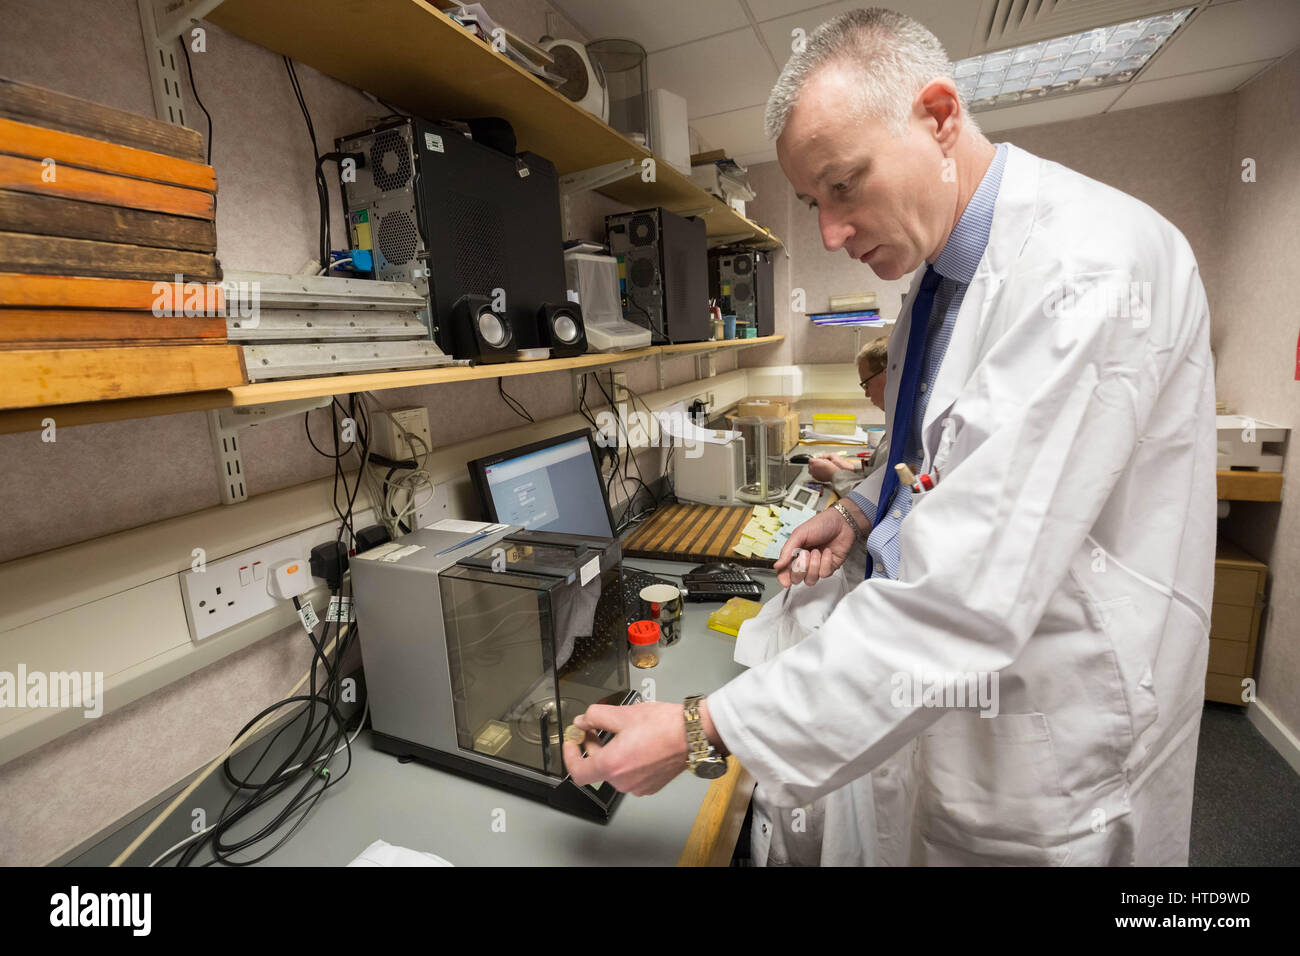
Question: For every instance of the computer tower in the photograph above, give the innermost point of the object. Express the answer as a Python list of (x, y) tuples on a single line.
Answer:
[(456, 217), (742, 282), (663, 273)]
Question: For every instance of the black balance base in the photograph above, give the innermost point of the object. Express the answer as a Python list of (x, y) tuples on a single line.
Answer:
[(596, 805)]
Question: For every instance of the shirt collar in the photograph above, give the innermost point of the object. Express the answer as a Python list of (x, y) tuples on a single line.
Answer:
[(965, 246)]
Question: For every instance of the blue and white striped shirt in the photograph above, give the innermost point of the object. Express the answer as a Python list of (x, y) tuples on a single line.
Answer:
[(956, 264)]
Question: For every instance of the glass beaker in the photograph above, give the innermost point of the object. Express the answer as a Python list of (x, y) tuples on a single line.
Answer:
[(764, 438)]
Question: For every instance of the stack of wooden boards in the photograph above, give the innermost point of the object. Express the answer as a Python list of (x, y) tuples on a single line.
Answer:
[(99, 208)]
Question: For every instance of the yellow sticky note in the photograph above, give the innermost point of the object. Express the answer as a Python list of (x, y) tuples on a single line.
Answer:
[(743, 549), (760, 511), (752, 528)]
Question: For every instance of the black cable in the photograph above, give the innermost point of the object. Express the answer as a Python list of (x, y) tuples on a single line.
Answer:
[(322, 191), (666, 477), (324, 732), (306, 425), (627, 474), (515, 405), (337, 158), (185, 48), (661, 327)]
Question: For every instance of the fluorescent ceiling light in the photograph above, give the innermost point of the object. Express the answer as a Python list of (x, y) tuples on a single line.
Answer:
[(1081, 61)]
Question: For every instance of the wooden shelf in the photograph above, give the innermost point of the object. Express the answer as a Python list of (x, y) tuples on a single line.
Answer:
[(722, 344), (1250, 485), (412, 55), (87, 413)]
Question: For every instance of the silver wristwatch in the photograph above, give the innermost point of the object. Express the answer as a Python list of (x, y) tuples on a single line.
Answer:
[(844, 512), (702, 757)]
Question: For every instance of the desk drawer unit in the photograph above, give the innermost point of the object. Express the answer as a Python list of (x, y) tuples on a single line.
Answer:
[(1239, 582)]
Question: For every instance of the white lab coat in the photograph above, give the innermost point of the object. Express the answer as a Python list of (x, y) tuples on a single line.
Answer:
[(1068, 547)]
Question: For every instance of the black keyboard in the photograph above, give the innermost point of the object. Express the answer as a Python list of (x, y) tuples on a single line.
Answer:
[(722, 585)]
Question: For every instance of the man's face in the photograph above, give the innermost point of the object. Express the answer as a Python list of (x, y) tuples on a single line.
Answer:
[(875, 387), (882, 198)]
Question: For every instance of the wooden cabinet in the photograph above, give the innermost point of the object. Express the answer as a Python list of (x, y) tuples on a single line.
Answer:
[(1234, 622)]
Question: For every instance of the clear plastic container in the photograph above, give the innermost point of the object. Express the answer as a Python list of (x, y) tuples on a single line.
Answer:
[(623, 63), (764, 438), (643, 643)]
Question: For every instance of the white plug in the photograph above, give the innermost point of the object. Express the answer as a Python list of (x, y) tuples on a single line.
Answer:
[(288, 579)]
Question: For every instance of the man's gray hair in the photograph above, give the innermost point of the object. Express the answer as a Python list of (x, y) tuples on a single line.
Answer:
[(893, 54)]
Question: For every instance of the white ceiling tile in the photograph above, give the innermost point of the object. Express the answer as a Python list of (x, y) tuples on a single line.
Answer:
[(1241, 32), (737, 131), (1189, 86), (952, 21), (1053, 110), (655, 24), (721, 73), (771, 9)]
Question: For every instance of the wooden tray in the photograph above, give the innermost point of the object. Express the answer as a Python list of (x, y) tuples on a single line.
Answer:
[(695, 533)]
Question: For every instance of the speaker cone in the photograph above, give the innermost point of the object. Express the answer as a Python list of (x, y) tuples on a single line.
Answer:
[(492, 328)]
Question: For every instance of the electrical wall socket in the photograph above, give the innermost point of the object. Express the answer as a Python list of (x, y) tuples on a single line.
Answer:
[(232, 590), (388, 439)]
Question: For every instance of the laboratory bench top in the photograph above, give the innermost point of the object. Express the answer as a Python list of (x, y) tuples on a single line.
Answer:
[(425, 808)]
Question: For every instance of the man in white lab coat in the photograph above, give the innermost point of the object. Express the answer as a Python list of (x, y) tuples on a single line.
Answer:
[(1023, 668)]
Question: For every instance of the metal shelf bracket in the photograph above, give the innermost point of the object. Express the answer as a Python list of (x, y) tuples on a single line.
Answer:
[(224, 425)]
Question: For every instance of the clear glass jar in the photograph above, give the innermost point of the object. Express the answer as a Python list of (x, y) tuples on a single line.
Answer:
[(643, 643)]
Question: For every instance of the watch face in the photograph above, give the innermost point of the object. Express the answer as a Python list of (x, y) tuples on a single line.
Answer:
[(711, 770)]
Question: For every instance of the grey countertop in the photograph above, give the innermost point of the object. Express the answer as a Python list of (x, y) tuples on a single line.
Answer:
[(426, 808)]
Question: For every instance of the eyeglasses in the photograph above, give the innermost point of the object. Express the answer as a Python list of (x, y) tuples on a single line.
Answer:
[(869, 379)]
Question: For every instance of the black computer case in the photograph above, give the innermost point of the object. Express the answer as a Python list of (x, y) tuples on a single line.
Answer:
[(741, 280), (663, 273), (454, 216)]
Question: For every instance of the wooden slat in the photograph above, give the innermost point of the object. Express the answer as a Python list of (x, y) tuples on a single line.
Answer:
[(18, 420), (31, 377), (58, 255), (712, 839), (19, 291), (56, 216), (25, 175), (1250, 485), (42, 107), (58, 328), (35, 142)]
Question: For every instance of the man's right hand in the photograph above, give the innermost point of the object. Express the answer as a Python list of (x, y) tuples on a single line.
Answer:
[(822, 467), (823, 544)]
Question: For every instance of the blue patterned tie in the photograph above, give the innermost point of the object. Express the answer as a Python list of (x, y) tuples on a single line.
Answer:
[(907, 386)]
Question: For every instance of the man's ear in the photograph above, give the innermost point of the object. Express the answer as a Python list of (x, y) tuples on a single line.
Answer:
[(939, 103)]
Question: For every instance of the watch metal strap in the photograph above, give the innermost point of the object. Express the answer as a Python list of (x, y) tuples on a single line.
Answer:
[(696, 740), (839, 506)]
